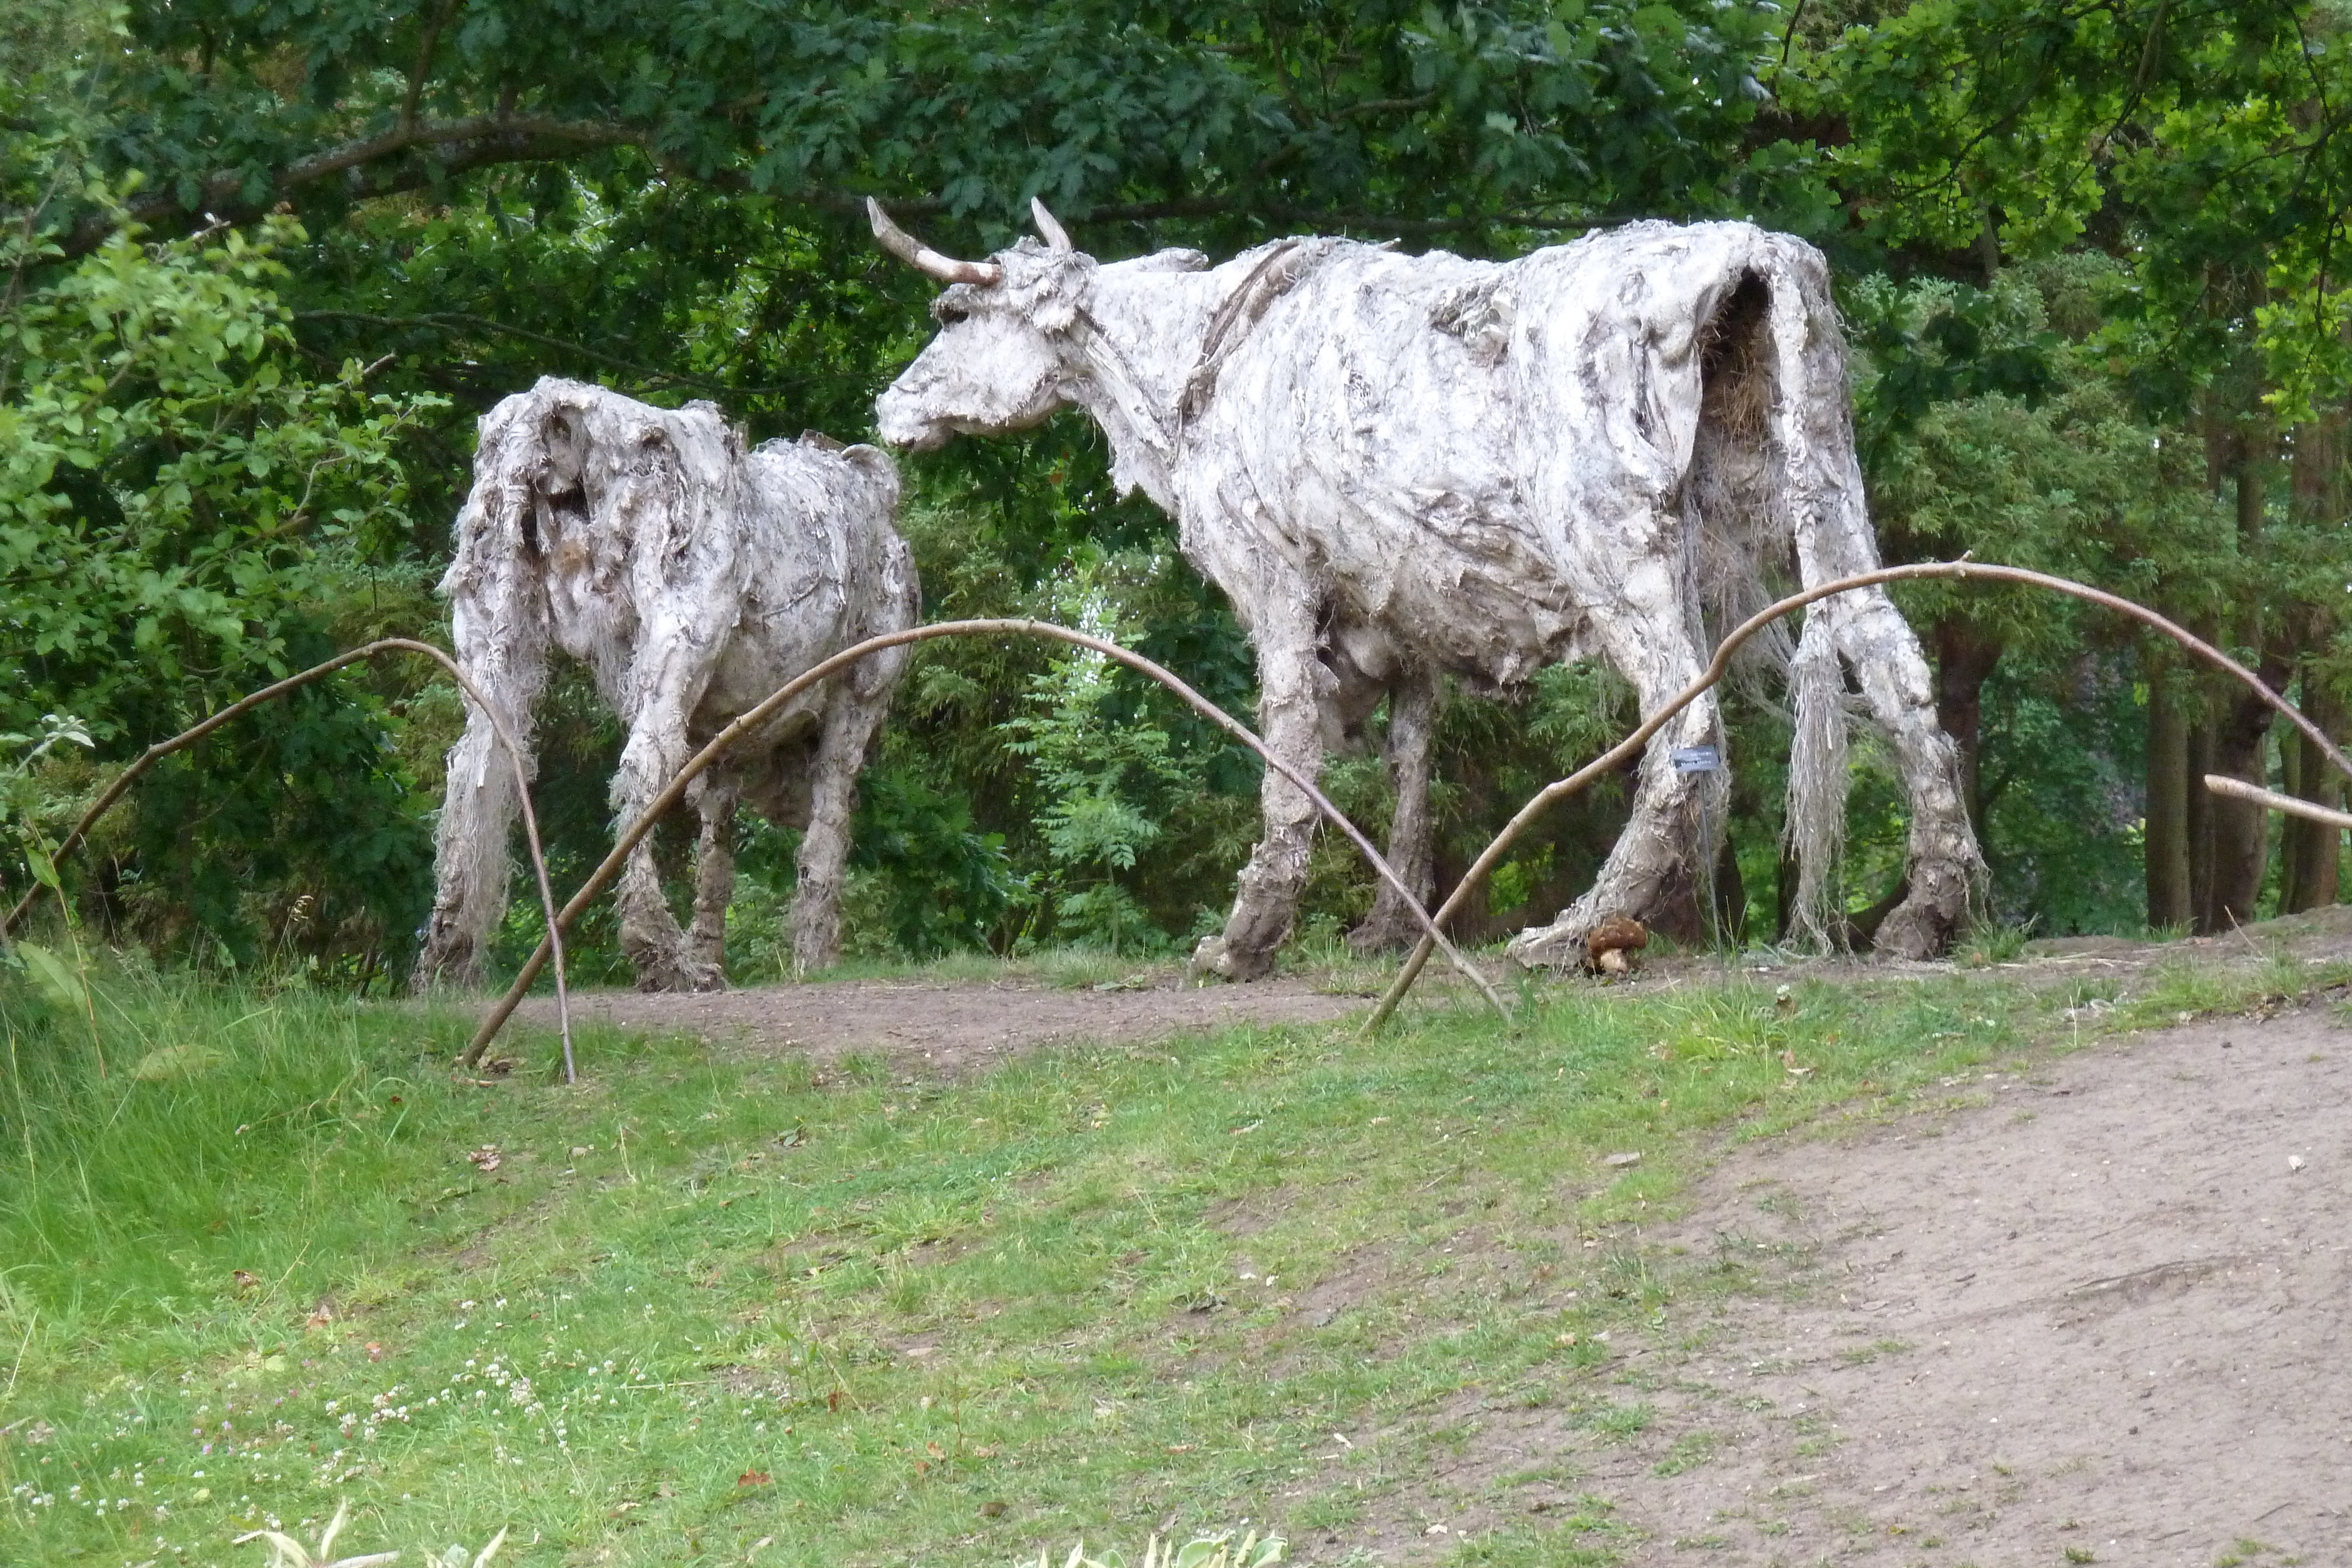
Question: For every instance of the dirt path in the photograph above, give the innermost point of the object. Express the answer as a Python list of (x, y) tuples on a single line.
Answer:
[(951, 1028), (2097, 1312), (2102, 1314)]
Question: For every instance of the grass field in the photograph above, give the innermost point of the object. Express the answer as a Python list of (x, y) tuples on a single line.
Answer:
[(707, 1308)]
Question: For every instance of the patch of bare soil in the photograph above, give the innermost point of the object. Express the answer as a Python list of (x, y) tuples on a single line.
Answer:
[(2101, 1312), (948, 1028)]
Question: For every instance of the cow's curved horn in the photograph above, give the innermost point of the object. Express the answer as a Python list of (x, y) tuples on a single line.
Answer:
[(923, 259), (1057, 238)]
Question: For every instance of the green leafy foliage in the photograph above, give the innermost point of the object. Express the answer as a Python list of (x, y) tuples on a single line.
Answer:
[(1098, 772)]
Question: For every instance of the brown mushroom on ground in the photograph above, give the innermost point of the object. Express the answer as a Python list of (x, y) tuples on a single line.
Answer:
[(1613, 946)]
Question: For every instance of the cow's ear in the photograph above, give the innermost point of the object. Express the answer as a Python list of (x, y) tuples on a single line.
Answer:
[(1053, 313)]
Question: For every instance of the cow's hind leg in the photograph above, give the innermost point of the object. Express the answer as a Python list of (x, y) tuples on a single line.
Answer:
[(714, 879), (1652, 873), (849, 724), (1290, 684), (1943, 868), (1412, 720)]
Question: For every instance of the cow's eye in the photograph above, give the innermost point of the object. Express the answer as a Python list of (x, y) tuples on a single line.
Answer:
[(947, 315)]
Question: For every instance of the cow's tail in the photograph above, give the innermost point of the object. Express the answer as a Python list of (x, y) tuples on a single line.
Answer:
[(1829, 519), (1817, 779)]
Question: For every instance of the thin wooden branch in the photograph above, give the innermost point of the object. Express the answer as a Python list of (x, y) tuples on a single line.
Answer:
[(2238, 788), (1432, 939), (472, 142), (1965, 571), (156, 753)]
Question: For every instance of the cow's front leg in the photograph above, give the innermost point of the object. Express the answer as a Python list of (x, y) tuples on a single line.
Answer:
[(1290, 686), (1652, 872), (849, 724), (714, 880), (498, 622), (656, 947), (1412, 722), (1943, 868), (470, 863)]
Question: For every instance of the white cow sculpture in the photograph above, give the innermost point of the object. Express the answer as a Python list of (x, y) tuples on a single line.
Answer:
[(1398, 466), (692, 578)]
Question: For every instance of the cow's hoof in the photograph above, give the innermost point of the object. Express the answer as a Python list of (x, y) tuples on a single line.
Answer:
[(1215, 958), (1555, 947), (1917, 929)]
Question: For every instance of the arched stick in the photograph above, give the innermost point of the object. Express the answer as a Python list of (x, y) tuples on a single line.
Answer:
[(1432, 937), (2271, 800), (187, 737), (1966, 570)]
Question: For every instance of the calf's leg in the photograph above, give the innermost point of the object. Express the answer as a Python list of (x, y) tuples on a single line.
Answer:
[(714, 879), (849, 725), (1413, 718), (657, 948), (501, 644)]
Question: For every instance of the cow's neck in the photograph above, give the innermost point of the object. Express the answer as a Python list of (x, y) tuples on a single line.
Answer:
[(1140, 340)]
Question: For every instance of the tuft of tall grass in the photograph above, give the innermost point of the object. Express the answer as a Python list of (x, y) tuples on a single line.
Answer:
[(186, 1148)]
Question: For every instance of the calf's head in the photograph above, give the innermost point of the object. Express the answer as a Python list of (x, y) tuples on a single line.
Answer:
[(1009, 349)]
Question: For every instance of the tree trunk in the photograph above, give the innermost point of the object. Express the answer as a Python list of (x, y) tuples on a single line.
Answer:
[(1730, 896), (2198, 811), (2312, 848), (2169, 903), (1965, 658), (2240, 831), (2290, 780), (2309, 862)]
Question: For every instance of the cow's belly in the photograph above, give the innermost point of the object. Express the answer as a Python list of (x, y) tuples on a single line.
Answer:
[(1452, 568), (1468, 592), (759, 659)]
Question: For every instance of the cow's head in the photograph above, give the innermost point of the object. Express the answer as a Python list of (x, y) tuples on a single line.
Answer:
[(1007, 354), (999, 362)]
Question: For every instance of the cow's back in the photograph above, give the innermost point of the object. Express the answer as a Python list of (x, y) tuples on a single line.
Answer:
[(824, 566), (1463, 451)]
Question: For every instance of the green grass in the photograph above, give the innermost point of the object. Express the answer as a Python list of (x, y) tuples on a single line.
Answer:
[(713, 1309)]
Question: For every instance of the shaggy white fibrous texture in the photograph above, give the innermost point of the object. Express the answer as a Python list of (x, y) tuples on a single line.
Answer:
[(692, 578), (1399, 465)]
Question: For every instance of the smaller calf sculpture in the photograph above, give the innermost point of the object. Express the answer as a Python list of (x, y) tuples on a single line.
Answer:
[(692, 578)]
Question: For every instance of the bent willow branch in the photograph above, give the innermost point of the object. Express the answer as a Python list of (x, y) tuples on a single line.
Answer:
[(1964, 571), (552, 942), (1433, 939)]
